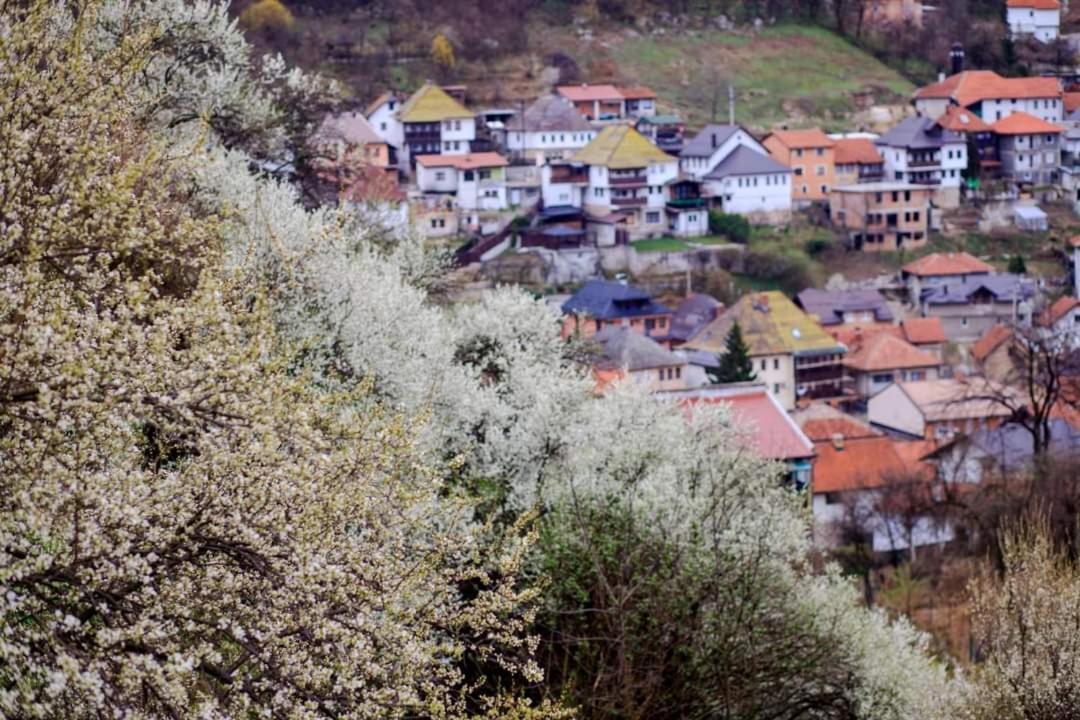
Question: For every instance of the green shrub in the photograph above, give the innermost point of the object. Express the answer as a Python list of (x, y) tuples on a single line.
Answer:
[(818, 246), (735, 227), (789, 270), (1017, 266)]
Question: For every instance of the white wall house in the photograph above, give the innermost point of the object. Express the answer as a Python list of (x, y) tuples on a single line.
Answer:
[(382, 115), (476, 181), (457, 135), (992, 97), (1039, 18), (750, 183), (551, 128), (919, 151), (712, 145)]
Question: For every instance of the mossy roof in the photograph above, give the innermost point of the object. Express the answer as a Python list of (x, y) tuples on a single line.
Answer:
[(621, 147)]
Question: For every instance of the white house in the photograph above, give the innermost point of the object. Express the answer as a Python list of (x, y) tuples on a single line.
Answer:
[(992, 97), (918, 150), (750, 183), (712, 145), (549, 129), (1039, 18), (476, 182), (382, 116)]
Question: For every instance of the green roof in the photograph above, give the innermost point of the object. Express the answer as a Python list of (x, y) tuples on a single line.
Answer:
[(431, 104), (771, 324), (661, 120), (621, 147)]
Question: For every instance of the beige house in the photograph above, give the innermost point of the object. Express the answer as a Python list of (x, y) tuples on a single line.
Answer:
[(626, 353), (938, 409), (883, 215)]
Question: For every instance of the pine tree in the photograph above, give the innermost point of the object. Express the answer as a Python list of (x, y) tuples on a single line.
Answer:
[(735, 364)]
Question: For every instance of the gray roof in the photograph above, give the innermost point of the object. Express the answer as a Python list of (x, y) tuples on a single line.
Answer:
[(919, 133), (830, 305), (1012, 447), (607, 300), (693, 314), (705, 142), (744, 161), (1004, 288), (625, 349), (550, 113), (350, 128)]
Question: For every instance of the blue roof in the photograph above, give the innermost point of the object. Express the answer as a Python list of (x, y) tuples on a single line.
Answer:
[(605, 300), (1004, 288)]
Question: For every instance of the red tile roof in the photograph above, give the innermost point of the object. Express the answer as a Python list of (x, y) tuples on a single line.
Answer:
[(639, 92), (857, 464), (1061, 307), (923, 331), (973, 86), (589, 93), (856, 151), (1021, 123), (771, 432), (962, 120), (1071, 100), (803, 138), (468, 161), (853, 336), (883, 351), (937, 264), (990, 341), (1034, 4), (820, 421)]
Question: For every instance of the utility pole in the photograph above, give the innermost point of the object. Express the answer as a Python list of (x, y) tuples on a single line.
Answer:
[(731, 103)]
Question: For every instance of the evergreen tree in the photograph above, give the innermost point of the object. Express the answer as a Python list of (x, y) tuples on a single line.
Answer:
[(1017, 266), (735, 364)]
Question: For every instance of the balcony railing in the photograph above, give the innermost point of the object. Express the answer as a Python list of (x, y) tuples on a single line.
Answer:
[(569, 175), (685, 203), (924, 162), (925, 181), (628, 201), (624, 180)]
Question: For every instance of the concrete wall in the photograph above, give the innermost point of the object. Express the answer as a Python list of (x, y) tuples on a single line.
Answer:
[(892, 408)]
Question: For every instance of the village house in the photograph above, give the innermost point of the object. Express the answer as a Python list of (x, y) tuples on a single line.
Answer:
[(937, 409), (882, 216), (992, 97), (861, 480), (621, 173), (882, 359), (434, 123), (476, 182), (624, 352), (980, 138), (1070, 157), (992, 354), (664, 131), (1060, 322), (791, 354), (549, 129), (940, 268), (608, 102), (857, 161), (926, 334), (709, 147), (1040, 19), (968, 308), (845, 307), (1000, 452), (348, 138), (691, 317), (1029, 149), (918, 150), (768, 430), (382, 114), (602, 303), (809, 154)]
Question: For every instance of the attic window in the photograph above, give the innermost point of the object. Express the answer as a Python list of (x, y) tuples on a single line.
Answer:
[(795, 333)]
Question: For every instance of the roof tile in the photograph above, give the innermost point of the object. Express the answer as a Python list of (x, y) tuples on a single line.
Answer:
[(884, 351), (1021, 123), (937, 264), (621, 147)]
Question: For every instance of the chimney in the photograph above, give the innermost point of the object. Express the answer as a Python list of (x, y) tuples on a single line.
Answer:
[(838, 441), (714, 141), (956, 58), (941, 77)]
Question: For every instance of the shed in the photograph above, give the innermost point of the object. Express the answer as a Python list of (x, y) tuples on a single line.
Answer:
[(1031, 218)]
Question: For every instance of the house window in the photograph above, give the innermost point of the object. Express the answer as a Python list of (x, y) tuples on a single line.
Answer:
[(438, 223), (652, 217), (882, 378), (692, 218), (485, 174), (598, 192), (820, 152), (457, 124), (798, 172), (469, 175), (650, 325), (832, 498), (440, 175), (776, 364), (878, 197), (382, 126), (763, 365), (776, 388), (820, 170)]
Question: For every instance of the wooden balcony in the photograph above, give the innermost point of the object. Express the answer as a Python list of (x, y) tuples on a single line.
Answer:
[(638, 180), (628, 201)]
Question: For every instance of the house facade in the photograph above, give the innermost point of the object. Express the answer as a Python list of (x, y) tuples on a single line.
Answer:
[(992, 97), (918, 150), (967, 309), (1029, 149), (1040, 19), (939, 269), (598, 103), (883, 359), (551, 128), (477, 181), (602, 303), (623, 352), (382, 114), (810, 155), (936, 409), (434, 123), (858, 161), (882, 216)]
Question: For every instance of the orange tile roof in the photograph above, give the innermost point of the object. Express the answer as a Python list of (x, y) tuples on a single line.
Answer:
[(884, 351), (638, 92), (962, 120), (1020, 123), (960, 263), (1035, 4), (820, 421), (990, 341), (913, 453), (973, 86), (589, 93), (469, 161), (858, 464), (1061, 307), (1075, 241), (812, 138), (853, 336), (1071, 100), (923, 331), (772, 433), (853, 151)]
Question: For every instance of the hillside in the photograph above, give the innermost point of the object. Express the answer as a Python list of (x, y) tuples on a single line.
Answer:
[(801, 75)]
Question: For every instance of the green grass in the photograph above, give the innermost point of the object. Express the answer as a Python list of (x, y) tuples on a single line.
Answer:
[(673, 244), (803, 75)]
